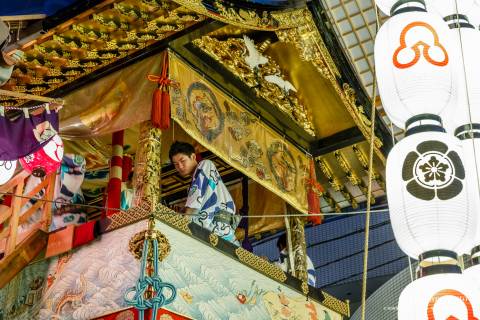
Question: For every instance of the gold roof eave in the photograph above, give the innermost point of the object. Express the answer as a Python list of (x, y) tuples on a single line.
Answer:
[(249, 19)]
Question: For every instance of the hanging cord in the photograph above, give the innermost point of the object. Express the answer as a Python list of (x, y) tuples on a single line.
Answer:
[(468, 103), (59, 205), (370, 172), (149, 284)]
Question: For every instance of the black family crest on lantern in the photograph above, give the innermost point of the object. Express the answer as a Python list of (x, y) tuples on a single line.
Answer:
[(433, 171)]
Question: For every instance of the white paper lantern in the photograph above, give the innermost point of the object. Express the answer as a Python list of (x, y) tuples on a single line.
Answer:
[(464, 53), (413, 66), (471, 159), (473, 274), (474, 14), (7, 169), (442, 296), (445, 8), (428, 196), (387, 5)]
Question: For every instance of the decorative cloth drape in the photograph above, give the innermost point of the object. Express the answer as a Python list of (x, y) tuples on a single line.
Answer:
[(25, 135), (231, 132)]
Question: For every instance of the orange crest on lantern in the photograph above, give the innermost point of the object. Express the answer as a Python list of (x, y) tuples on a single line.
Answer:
[(409, 49), (453, 293)]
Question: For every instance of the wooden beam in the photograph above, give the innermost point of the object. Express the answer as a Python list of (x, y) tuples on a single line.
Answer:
[(27, 250), (337, 141), (34, 191), (16, 206), (47, 209), (23, 17), (14, 181), (5, 213), (24, 217)]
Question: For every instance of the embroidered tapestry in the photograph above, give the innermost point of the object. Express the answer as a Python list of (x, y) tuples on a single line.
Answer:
[(239, 138)]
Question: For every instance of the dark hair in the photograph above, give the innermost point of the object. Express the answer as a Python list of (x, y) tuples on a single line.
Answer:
[(180, 147), (282, 241)]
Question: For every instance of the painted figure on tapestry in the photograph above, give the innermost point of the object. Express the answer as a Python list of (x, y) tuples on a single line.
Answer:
[(44, 131), (283, 166), (69, 197), (208, 198), (206, 112)]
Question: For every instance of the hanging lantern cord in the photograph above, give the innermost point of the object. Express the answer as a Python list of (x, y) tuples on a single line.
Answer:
[(148, 292), (468, 100), (369, 192)]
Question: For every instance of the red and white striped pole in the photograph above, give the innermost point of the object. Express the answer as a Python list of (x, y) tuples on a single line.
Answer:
[(114, 189)]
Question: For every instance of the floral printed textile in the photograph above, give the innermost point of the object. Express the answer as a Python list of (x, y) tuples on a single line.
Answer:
[(209, 195)]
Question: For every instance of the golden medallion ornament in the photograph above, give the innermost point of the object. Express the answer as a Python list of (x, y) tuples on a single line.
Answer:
[(305, 288), (135, 246), (213, 239)]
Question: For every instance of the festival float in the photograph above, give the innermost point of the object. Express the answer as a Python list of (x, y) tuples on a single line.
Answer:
[(91, 223)]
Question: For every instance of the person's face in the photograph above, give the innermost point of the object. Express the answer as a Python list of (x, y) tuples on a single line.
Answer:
[(185, 165)]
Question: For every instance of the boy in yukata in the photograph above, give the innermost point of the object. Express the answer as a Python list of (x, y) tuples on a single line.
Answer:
[(208, 203), (284, 263)]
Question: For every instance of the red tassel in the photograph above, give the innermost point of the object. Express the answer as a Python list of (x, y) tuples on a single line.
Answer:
[(312, 196), (156, 108), (165, 119), (161, 99)]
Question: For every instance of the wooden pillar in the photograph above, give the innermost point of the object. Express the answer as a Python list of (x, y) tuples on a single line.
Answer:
[(148, 165), (47, 208), (16, 206), (244, 213), (114, 188), (299, 246)]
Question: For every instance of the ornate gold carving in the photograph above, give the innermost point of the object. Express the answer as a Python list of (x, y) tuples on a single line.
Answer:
[(130, 216), (309, 42), (299, 247), (351, 176), (335, 304), (90, 41), (147, 175), (335, 183), (175, 219), (250, 19), (362, 158), (305, 288), (260, 265), (135, 246), (213, 239), (232, 53), (335, 206)]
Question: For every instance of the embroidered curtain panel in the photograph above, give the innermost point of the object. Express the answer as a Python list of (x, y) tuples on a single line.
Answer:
[(234, 134)]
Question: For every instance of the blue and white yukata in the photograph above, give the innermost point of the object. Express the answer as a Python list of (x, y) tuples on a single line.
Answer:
[(209, 195), (284, 264)]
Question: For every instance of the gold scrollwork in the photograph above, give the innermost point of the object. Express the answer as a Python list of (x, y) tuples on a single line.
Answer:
[(135, 246), (305, 288), (250, 19), (351, 175), (112, 31), (307, 39), (231, 54), (362, 158), (260, 265), (335, 304), (335, 183), (213, 239), (132, 215), (173, 218)]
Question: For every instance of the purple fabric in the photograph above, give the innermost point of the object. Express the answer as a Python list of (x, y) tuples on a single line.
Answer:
[(26, 135)]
